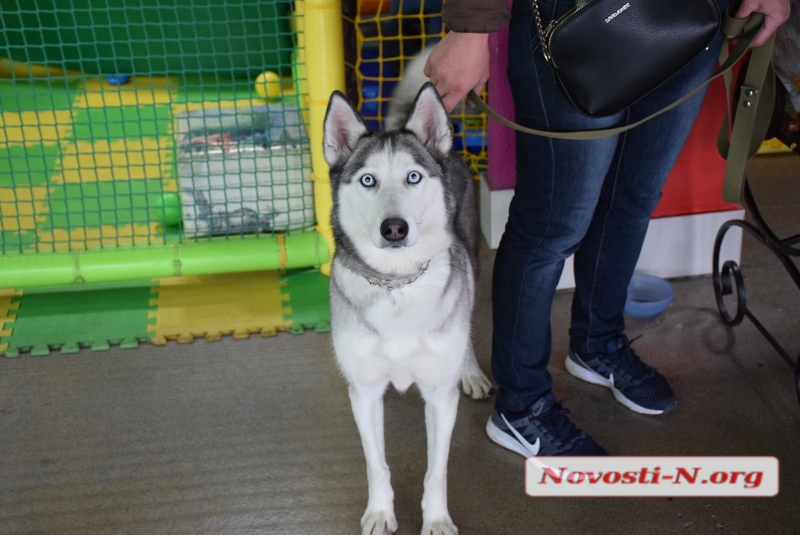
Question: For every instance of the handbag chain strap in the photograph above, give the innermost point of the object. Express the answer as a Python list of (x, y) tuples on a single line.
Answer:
[(537, 16), (748, 112)]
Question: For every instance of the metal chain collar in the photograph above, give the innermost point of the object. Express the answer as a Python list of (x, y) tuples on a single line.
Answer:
[(399, 282)]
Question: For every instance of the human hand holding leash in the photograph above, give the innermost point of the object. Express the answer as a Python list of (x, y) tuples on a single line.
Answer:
[(459, 62), (776, 12)]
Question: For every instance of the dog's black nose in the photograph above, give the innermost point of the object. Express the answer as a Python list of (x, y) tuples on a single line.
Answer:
[(394, 229)]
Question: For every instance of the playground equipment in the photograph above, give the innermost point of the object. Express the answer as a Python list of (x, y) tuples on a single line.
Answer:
[(90, 171), (157, 157), (94, 99), (380, 36)]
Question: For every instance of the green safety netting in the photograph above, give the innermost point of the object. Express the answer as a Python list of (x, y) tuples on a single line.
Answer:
[(140, 123)]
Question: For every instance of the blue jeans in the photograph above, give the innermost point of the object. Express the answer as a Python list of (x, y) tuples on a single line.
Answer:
[(590, 198)]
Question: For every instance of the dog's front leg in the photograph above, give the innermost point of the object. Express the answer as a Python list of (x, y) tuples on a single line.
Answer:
[(367, 403), (441, 405)]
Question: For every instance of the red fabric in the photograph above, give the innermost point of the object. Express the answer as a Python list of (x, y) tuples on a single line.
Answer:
[(695, 184)]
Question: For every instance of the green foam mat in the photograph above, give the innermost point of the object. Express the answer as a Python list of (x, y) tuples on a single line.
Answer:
[(99, 316), (308, 299), (74, 319)]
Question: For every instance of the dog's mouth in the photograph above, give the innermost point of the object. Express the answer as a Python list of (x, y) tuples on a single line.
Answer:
[(394, 244)]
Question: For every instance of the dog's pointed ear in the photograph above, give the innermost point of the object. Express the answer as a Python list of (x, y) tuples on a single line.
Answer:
[(342, 130), (428, 120)]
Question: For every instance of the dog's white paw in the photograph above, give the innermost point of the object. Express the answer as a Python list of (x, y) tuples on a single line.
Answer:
[(378, 522), (441, 526), (475, 384)]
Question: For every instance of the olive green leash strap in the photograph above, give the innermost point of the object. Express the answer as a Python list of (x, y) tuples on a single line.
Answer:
[(751, 121), (759, 63)]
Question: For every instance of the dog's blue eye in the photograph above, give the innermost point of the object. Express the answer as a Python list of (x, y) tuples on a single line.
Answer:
[(414, 177), (368, 181)]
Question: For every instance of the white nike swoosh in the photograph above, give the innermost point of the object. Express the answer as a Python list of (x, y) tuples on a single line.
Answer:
[(533, 449)]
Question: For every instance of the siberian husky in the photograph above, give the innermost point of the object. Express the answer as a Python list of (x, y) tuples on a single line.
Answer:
[(402, 286)]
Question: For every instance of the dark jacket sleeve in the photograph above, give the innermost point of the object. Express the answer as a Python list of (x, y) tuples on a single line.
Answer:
[(476, 16)]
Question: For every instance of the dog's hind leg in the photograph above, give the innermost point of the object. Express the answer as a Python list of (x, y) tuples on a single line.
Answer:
[(474, 382), (440, 417), (367, 404)]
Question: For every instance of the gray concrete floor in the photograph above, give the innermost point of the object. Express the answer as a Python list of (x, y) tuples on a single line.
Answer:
[(256, 436)]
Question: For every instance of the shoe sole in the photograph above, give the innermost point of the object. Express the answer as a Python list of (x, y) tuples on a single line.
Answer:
[(501, 438), (590, 376)]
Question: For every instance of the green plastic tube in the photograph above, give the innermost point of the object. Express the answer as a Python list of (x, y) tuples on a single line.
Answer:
[(164, 260)]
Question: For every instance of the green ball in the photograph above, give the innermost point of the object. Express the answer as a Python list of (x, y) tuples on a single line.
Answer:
[(171, 211)]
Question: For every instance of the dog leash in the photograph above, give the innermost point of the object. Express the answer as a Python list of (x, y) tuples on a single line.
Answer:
[(753, 111)]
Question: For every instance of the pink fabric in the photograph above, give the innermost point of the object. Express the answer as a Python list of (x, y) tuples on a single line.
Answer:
[(501, 169)]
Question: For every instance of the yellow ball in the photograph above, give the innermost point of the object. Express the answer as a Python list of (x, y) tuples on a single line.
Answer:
[(268, 85)]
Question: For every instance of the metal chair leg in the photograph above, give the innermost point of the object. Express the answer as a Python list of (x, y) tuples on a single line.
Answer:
[(730, 275)]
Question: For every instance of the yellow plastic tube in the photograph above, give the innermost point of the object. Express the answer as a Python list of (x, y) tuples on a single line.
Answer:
[(320, 30)]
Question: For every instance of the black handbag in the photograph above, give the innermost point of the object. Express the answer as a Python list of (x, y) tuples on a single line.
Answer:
[(753, 107), (607, 54)]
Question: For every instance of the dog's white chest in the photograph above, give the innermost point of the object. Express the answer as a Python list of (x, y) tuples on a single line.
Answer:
[(414, 334), (401, 359), (408, 310)]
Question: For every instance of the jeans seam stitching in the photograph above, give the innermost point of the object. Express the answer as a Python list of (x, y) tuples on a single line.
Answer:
[(514, 365), (603, 236)]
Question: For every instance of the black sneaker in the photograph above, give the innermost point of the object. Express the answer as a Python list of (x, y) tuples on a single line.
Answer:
[(545, 430), (634, 384)]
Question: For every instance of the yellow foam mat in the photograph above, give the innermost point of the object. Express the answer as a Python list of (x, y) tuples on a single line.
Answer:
[(44, 127), (122, 159), (22, 207), (6, 321), (213, 306), (140, 91)]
